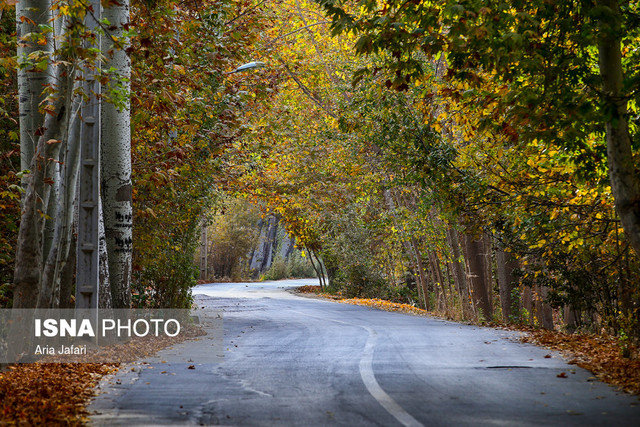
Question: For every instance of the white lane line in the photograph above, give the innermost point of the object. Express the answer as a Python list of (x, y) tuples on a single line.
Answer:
[(369, 379)]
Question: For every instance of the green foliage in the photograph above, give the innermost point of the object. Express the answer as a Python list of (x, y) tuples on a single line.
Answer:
[(167, 242), (348, 255), (299, 266), (233, 234), (166, 279), (295, 266), (278, 270), (185, 118), (471, 117), (10, 157)]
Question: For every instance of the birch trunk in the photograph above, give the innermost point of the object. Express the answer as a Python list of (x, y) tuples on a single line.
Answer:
[(28, 266), (104, 287), (51, 244), (59, 209), (116, 165), (66, 252), (67, 276), (30, 83), (51, 199)]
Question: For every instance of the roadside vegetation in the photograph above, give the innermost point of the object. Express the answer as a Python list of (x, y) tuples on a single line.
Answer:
[(468, 178), (479, 188), (245, 243)]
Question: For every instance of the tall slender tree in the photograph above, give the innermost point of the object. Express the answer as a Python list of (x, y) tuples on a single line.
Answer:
[(116, 156)]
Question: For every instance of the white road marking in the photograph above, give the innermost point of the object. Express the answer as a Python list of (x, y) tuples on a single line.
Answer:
[(369, 379)]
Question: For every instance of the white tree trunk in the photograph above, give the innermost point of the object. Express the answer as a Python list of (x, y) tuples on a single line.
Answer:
[(116, 165), (104, 290), (28, 266), (29, 15), (57, 255)]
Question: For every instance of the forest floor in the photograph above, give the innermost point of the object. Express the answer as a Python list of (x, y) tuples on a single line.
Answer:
[(598, 353)]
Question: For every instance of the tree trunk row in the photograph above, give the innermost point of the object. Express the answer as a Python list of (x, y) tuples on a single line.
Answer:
[(49, 148), (472, 271)]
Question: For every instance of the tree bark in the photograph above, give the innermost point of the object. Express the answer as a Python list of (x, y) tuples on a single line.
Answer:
[(59, 209), (571, 318), (28, 265), (506, 264), (66, 251), (313, 264), (459, 275), (104, 286), (30, 83), (544, 311), (625, 184), (67, 276), (420, 267), (474, 251), (116, 164), (438, 281), (488, 266), (411, 246)]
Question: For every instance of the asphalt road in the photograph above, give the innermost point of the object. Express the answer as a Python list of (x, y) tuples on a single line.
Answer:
[(291, 360)]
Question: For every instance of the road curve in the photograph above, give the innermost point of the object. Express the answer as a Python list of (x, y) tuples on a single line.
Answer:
[(296, 361)]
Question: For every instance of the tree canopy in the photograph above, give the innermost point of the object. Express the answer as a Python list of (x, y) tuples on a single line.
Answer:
[(474, 158)]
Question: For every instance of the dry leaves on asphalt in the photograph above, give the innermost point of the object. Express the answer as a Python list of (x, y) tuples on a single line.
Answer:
[(367, 302), (309, 289), (385, 305), (48, 393), (57, 393), (599, 354)]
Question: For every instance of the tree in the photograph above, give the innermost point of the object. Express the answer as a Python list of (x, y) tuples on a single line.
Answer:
[(618, 87), (545, 55), (186, 116), (116, 157), (54, 46), (10, 162)]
